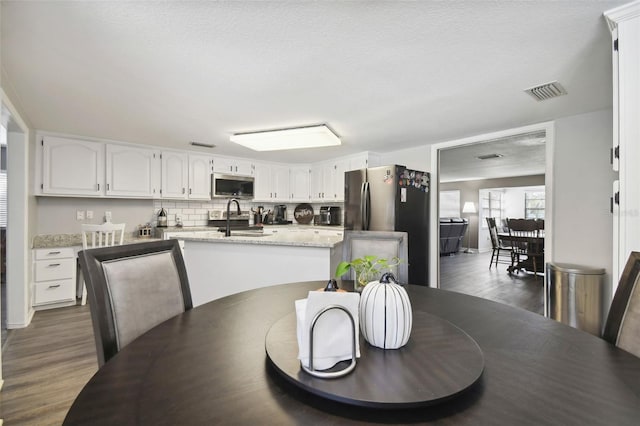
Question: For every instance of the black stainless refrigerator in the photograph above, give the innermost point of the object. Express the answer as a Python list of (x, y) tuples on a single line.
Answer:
[(392, 198)]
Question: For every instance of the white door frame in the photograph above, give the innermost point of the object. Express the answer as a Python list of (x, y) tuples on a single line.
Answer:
[(549, 128), (19, 309)]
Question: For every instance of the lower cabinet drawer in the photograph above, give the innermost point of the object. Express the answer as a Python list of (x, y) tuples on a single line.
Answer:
[(54, 291), (54, 269)]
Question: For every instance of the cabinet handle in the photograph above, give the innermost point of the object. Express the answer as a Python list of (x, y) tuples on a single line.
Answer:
[(236, 168), (98, 187), (54, 264), (230, 168), (54, 252), (54, 286), (108, 186), (183, 191), (189, 191)]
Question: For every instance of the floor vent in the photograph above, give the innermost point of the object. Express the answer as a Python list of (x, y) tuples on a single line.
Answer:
[(547, 91)]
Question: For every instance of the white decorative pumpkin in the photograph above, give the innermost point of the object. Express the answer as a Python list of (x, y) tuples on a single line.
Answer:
[(385, 313)]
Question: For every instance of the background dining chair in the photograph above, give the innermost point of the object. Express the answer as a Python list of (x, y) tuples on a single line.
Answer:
[(384, 244), (497, 244), (623, 322), (94, 236), (524, 241), (132, 288)]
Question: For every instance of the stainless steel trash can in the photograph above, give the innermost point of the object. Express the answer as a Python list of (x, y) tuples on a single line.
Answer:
[(577, 296)]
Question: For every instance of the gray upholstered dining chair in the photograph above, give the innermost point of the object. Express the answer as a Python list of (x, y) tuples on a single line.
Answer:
[(131, 289), (384, 244), (623, 323)]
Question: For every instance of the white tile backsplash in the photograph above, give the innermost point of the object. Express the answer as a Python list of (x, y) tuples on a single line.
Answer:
[(196, 213)]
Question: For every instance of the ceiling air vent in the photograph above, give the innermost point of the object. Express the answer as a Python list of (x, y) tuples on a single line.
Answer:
[(488, 156), (202, 144), (546, 91)]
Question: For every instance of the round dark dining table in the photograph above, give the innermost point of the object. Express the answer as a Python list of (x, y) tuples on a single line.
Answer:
[(208, 366)]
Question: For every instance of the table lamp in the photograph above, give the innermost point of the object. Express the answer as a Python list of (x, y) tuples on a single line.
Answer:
[(468, 207)]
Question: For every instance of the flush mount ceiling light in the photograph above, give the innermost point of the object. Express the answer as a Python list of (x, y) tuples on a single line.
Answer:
[(293, 138)]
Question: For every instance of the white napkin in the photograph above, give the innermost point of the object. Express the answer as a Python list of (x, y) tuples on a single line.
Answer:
[(332, 334)]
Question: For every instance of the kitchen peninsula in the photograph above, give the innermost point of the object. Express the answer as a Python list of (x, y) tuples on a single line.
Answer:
[(219, 266)]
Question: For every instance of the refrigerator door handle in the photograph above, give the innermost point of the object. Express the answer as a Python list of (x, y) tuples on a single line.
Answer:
[(366, 214), (362, 206)]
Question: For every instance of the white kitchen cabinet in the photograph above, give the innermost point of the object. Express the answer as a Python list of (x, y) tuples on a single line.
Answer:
[(624, 23), (132, 171), (233, 166), (327, 181), (364, 160), (271, 182), (340, 167), (262, 184), (72, 167), (54, 272), (299, 180), (200, 168), (175, 174), (321, 181)]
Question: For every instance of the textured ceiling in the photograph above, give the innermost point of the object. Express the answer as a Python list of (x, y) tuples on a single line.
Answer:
[(385, 75), (518, 155)]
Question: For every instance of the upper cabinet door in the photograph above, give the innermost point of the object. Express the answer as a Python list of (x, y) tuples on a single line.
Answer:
[(200, 168), (280, 182), (340, 167), (299, 183), (175, 174), (72, 167), (262, 184), (233, 166), (132, 171)]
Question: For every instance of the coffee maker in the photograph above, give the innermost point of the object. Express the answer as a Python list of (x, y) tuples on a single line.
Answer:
[(280, 214)]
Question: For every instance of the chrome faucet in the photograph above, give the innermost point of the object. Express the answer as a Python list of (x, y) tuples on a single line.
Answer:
[(227, 233)]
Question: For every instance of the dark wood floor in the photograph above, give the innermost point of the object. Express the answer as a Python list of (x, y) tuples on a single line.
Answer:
[(469, 273), (46, 364)]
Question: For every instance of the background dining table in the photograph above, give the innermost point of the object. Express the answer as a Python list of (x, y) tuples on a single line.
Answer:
[(208, 366)]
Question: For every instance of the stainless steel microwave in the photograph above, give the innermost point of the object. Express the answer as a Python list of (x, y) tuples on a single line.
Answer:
[(230, 186)]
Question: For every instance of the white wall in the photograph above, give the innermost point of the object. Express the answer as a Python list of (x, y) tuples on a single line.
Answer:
[(583, 180), (513, 200), (57, 215), (413, 158)]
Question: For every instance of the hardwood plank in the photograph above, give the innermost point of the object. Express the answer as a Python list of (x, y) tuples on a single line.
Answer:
[(469, 273), (46, 365)]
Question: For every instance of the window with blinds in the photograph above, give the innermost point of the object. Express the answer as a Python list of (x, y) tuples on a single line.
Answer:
[(491, 205), (534, 205)]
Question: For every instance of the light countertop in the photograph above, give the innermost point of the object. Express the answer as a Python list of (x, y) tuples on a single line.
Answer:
[(72, 240)]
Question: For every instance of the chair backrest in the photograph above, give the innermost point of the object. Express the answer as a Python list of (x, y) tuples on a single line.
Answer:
[(102, 235), (384, 244), (493, 232), (523, 236), (131, 289), (623, 323)]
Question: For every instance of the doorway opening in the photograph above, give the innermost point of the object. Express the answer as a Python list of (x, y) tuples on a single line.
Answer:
[(469, 172)]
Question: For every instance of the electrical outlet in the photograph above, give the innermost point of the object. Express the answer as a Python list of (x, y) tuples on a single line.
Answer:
[(178, 218), (107, 216), (79, 214), (89, 214)]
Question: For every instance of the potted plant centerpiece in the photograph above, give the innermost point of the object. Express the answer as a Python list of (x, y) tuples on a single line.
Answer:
[(367, 268)]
